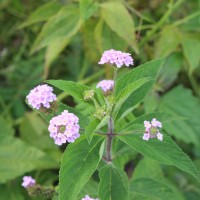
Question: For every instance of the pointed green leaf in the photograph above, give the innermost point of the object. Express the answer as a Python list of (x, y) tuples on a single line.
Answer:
[(73, 88), (64, 24), (120, 21), (43, 13), (87, 8), (113, 183), (54, 49), (80, 160), (150, 70), (166, 152), (123, 96)]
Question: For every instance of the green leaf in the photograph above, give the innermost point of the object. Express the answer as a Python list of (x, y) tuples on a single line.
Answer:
[(150, 70), (124, 95), (166, 152), (191, 49), (95, 125), (149, 189), (181, 103), (106, 38), (91, 128), (147, 168), (43, 13), (63, 25), (5, 129), (87, 8), (33, 130), (168, 42), (54, 49), (19, 158), (73, 88), (113, 183), (80, 160), (120, 21), (170, 70)]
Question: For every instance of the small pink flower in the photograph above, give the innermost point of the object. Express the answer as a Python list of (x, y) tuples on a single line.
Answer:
[(28, 181), (106, 85), (41, 96), (64, 128), (88, 198), (117, 58), (151, 130), (146, 136)]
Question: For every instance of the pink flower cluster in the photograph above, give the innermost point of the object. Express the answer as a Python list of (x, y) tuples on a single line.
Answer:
[(42, 95), (106, 85), (116, 57), (28, 181), (64, 128), (88, 198), (151, 130)]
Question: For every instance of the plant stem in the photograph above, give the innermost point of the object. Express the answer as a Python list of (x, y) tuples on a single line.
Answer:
[(109, 139)]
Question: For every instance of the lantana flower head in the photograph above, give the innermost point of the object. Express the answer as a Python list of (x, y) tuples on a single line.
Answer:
[(64, 128), (151, 130), (106, 85), (41, 96), (117, 58), (88, 198), (28, 181)]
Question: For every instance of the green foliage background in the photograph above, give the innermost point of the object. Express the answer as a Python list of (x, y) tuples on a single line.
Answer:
[(64, 40)]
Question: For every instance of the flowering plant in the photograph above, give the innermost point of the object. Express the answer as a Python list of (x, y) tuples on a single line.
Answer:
[(95, 141)]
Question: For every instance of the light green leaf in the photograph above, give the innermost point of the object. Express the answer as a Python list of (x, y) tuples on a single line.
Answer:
[(149, 189), (166, 152), (5, 129), (43, 13), (17, 158), (63, 25), (150, 70), (80, 160), (124, 95), (106, 38), (191, 49), (73, 88), (54, 49), (181, 103), (168, 41), (87, 8), (120, 21), (113, 183)]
